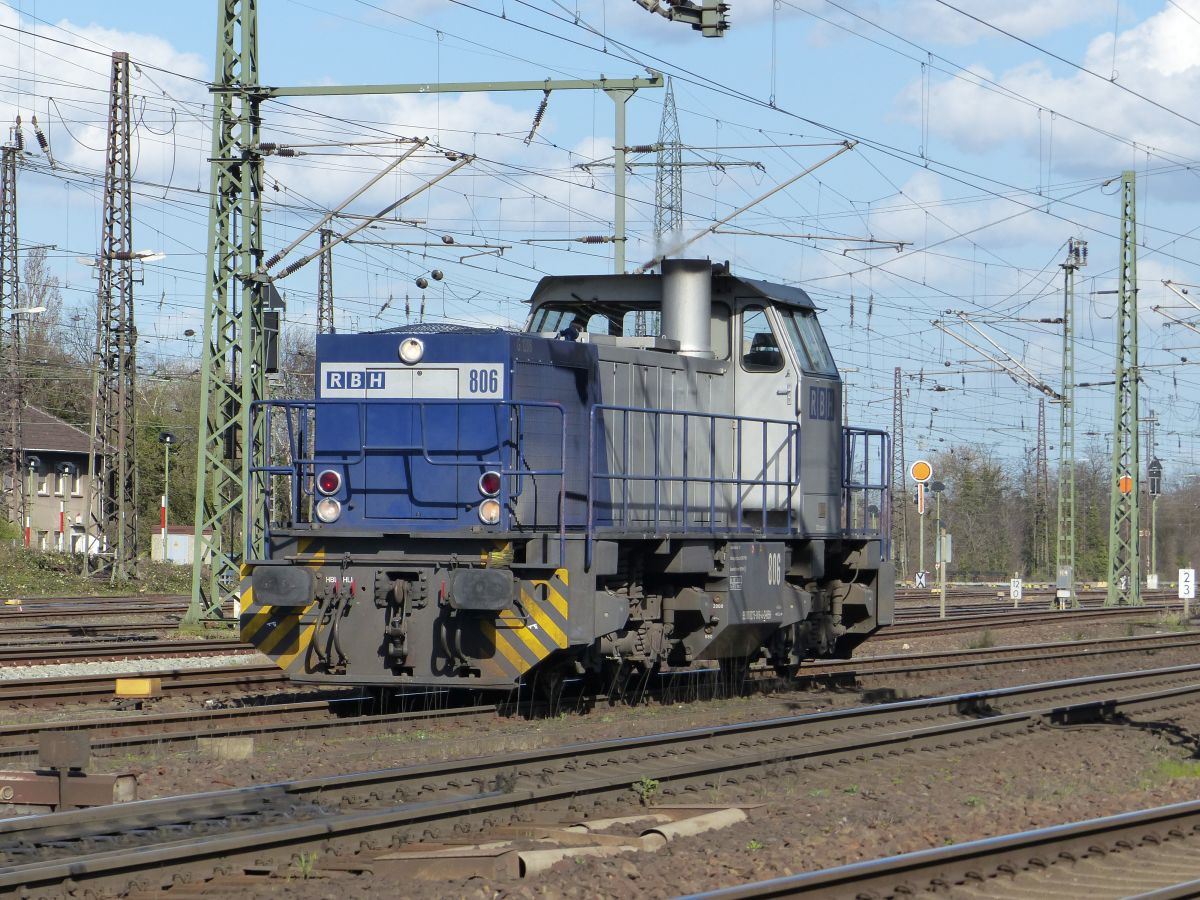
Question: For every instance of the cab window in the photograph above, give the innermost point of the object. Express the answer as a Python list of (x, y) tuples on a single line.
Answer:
[(759, 350), (805, 334)]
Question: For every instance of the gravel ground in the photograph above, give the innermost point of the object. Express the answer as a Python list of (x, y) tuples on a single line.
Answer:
[(799, 823), (128, 666)]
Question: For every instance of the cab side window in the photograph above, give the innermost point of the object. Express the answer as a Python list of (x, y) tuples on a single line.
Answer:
[(759, 350)]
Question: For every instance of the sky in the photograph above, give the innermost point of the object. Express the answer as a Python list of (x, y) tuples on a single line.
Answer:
[(985, 136)]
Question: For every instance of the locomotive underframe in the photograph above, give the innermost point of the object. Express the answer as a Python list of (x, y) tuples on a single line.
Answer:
[(463, 611)]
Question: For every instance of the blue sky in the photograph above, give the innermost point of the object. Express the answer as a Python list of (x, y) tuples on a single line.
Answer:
[(979, 150)]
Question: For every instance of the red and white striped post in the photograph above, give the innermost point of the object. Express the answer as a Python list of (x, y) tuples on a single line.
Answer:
[(162, 524), (62, 525)]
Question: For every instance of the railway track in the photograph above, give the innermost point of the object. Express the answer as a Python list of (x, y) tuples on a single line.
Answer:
[(73, 689), (156, 729), (351, 818), (90, 651), (1147, 853), (969, 621)]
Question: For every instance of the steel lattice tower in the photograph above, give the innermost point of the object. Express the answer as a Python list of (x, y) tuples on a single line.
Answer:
[(232, 372), (1041, 503), (668, 186), (668, 177), (113, 462), (1065, 556), (1124, 569), (899, 489), (11, 443), (325, 284)]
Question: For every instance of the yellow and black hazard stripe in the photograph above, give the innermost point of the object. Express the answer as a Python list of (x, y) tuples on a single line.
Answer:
[(521, 642), (282, 633)]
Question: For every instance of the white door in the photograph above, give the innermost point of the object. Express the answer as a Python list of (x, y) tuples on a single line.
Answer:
[(765, 388)]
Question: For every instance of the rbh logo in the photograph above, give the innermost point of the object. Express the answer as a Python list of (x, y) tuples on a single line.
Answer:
[(355, 380)]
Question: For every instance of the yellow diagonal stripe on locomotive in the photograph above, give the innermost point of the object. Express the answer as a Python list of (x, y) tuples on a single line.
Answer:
[(499, 638), (541, 613), (285, 661), (284, 636), (528, 636)]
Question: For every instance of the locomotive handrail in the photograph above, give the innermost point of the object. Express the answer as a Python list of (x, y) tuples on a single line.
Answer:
[(301, 468), (791, 482), (864, 486)]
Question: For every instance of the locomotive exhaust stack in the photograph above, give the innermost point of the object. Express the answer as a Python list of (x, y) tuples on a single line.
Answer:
[(687, 305), (476, 507)]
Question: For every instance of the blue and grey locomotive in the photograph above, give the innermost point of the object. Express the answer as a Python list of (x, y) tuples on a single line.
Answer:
[(469, 506)]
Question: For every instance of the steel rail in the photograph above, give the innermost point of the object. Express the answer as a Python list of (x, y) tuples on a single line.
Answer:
[(1041, 860), (115, 844), (77, 688), (47, 654)]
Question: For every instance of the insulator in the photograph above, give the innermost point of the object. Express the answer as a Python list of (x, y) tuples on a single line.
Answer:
[(268, 147), (537, 116), (437, 274), (288, 270), (644, 148), (447, 239), (41, 137), (287, 151), (451, 155), (595, 239), (422, 282), (273, 261), (19, 136)]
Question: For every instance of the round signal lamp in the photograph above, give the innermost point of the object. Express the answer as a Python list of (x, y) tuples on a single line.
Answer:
[(411, 351), (920, 471), (329, 481), (489, 484), (489, 512), (328, 510)]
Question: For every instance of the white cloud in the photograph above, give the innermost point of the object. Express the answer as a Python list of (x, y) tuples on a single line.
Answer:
[(1155, 58)]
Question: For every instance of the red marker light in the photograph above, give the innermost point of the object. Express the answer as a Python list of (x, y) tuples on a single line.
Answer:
[(489, 484), (329, 481)]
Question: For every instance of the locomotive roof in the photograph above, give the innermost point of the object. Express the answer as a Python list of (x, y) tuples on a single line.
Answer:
[(648, 289)]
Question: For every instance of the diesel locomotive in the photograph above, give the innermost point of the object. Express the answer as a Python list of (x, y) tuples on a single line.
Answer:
[(653, 474)]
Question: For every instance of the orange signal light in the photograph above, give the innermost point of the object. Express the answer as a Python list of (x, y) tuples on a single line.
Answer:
[(920, 471), (1125, 483)]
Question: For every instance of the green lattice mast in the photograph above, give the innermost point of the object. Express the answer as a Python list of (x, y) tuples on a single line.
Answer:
[(1123, 540)]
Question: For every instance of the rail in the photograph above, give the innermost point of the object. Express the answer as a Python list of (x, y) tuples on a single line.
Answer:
[(299, 435)]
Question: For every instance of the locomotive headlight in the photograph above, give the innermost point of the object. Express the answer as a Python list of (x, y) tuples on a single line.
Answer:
[(489, 484), (329, 482), (328, 510), (489, 512), (411, 351)]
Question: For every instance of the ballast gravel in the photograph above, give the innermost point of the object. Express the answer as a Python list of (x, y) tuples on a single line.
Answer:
[(126, 666)]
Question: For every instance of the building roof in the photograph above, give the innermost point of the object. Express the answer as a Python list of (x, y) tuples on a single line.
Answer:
[(42, 431)]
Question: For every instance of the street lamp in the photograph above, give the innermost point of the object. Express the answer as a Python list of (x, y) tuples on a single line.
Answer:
[(938, 488), (67, 471), (33, 465), (166, 438)]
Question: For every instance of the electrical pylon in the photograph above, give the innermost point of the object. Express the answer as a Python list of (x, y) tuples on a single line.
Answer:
[(112, 467), (11, 443), (233, 370), (668, 188), (325, 284), (1065, 554), (1124, 569), (1041, 510), (899, 490)]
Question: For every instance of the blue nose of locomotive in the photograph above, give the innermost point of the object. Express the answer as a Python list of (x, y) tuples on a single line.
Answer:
[(449, 429), (410, 429)]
